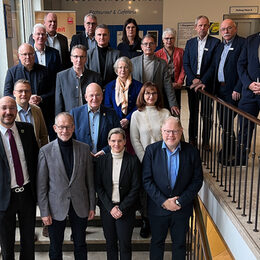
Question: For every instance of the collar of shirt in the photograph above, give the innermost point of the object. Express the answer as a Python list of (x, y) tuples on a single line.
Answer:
[(19, 108), (228, 43), (55, 36), (164, 146), (90, 111), (75, 74), (36, 50), (3, 129), (203, 40)]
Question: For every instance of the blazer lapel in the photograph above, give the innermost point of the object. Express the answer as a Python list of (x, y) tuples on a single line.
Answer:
[(156, 65), (76, 159), (123, 166), (59, 160), (3, 154), (102, 119)]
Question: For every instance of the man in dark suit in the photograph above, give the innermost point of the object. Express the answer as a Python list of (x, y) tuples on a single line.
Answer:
[(55, 40), (227, 85), (18, 166), (248, 67), (71, 83), (148, 67), (65, 186), (37, 75), (93, 121), (197, 59), (86, 38), (172, 177), (102, 58)]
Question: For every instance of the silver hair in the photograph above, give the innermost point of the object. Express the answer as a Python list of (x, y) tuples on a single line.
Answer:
[(38, 25), (127, 61), (66, 114), (169, 31), (117, 130), (22, 81), (89, 15), (79, 46), (176, 119)]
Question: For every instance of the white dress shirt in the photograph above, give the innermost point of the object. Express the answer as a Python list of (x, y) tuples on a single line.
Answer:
[(201, 48)]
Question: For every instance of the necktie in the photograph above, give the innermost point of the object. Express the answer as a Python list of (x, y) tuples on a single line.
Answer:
[(16, 159)]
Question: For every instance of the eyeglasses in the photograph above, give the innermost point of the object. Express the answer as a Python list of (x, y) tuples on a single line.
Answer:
[(169, 39), (40, 34), (173, 132), (92, 24), (148, 44), (78, 57), (30, 54), (20, 91), (63, 127), (130, 27), (226, 29), (150, 93)]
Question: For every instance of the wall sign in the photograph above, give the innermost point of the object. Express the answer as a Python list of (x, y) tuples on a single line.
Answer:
[(243, 9)]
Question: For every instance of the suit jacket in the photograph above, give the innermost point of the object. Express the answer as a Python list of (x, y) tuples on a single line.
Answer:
[(67, 92), (30, 149), (65, 56), (129, 182), (107, 121), (161, 77), (156, 179), (52, 61), (40, 83), (79, 38), (248, 66), (179, 73), (130, 51), (93, 63), (40, 129), (133, 92), (54, 189), (231, 76), (190, 60)]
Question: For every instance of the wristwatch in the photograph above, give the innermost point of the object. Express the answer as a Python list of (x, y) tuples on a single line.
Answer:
[(178, 203)]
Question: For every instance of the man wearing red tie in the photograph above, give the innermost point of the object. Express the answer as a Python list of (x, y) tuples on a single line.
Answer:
[(18, 166)]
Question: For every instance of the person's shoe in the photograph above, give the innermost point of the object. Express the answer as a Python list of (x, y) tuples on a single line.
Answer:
[(71, 237), (35, 237), (145, 229), (45, 231)]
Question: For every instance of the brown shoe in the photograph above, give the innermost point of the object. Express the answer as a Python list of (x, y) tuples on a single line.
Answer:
[(45, 231)]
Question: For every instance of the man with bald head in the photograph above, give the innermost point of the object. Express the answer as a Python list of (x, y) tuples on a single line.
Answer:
[(172, 177), (18, 166), (55, 40), (41, 85), (227, 85), (93, 121)]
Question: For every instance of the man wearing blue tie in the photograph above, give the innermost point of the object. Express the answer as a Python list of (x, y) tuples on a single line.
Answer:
[(172, 177)]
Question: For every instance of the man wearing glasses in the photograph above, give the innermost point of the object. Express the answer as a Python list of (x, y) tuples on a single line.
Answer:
[(86, 38), (172, 177), (71, 83), (148, 67), (65, 186)]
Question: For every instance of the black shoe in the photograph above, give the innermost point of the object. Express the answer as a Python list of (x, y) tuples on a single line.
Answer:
[(71, 237), (45, 231), (145, 229)]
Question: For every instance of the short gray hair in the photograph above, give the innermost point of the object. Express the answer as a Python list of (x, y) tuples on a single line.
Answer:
[(127, 61), (102, 26), (22, 81), (116, 130), (38, 25), (149, 35), (176, 119), (169, 31), (89, 15), (66, 114), (199, 17), (79, 46)]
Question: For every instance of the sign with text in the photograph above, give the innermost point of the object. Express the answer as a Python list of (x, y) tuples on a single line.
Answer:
[(243, 9)]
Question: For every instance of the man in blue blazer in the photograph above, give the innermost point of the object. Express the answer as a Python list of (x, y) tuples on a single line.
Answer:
[(197, 59), (172, 177), (227, 85), (18, 167), (93, 121), (248, 67)]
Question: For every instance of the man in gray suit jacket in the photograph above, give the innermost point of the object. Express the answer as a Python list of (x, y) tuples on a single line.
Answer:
[(102, 58), (148, 67), (65, 186), (71, 83)]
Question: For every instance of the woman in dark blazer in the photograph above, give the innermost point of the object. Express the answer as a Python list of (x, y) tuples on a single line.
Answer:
[(118, 181)]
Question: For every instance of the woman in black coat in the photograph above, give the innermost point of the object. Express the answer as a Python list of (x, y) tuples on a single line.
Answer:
[(118, 181)]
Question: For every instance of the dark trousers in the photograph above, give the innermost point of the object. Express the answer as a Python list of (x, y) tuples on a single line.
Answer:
[(118, 230), (56, 234), (206, 111), (252, 107), (178, 226), (23, 205)]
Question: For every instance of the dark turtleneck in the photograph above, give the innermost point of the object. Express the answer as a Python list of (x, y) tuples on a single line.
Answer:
[(102, 53), (66, 149)]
